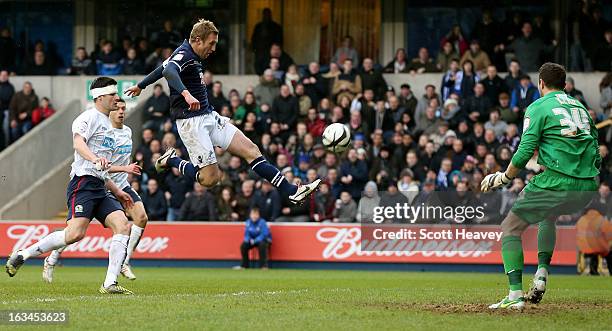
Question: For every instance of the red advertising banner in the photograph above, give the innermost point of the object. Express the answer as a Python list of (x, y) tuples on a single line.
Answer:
[(291, 242)]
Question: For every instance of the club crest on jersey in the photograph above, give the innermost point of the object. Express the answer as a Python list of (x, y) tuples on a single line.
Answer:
[(78, 209)]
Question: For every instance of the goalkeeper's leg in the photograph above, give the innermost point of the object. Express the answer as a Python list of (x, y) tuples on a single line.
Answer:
[(512, 254), (547, 236)]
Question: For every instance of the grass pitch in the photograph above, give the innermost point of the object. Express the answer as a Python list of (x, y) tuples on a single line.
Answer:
[(212, 299)]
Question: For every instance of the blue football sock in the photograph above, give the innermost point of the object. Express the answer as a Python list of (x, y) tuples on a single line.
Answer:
[(264, 169), (185, 167)]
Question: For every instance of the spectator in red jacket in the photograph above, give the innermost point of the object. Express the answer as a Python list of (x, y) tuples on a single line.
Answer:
[(314, 123), (455, 37), (322, 204), (44, 111)]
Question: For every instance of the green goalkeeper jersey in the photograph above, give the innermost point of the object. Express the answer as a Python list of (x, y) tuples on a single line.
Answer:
[(562, 129)]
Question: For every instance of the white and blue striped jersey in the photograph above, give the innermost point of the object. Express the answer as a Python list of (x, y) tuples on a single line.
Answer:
[(96, 129), (121, 155)]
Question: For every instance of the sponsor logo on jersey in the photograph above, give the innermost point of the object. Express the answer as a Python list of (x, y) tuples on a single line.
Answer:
[(124, 149), (109, 142)]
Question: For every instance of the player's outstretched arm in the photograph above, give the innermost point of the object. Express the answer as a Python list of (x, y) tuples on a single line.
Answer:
[(151, 78), (133, 169), (80, 146)]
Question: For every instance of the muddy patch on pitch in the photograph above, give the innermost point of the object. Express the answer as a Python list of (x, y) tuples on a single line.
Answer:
[(483, 308)]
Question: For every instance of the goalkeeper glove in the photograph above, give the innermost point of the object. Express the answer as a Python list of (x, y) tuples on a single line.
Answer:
[(494, 181)]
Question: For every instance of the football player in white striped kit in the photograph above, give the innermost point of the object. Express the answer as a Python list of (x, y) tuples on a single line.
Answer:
[(87, 193), (119, 169)]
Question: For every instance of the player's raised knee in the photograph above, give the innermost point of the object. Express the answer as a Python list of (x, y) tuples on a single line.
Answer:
[(252, 151), (209, 181), (209, 176)]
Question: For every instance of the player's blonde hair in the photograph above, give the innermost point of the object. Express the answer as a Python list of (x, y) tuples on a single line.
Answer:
[(202, 29)]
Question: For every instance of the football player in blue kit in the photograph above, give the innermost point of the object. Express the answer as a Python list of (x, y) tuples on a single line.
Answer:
[(200, 126)]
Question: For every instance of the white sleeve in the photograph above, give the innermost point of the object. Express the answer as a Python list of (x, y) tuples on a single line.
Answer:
[(83, 126)]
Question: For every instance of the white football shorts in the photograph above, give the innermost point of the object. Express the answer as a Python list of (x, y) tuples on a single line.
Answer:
[(201, 133)]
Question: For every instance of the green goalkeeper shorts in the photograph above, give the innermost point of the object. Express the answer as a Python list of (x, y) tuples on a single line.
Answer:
[(553, 194)]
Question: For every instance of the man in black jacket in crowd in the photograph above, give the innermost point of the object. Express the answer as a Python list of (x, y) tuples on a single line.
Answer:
[(157, 109), (177, 186), (315, 85), (6, 93), (155, 202), (494, 85), (199, 205), (372, 79), (477, 106), (284, 111)]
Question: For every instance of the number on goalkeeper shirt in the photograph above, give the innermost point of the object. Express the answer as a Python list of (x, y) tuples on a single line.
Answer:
[(577, 120)]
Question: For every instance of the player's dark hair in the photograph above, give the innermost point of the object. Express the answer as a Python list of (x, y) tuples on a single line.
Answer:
[(121, 100), (553, 75), (102, 82), (256, 209)]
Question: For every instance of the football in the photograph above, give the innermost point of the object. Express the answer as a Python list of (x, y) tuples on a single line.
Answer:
[(336, 138)]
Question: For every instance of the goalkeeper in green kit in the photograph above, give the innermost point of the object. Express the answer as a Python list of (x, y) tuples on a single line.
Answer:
[(560, 126)]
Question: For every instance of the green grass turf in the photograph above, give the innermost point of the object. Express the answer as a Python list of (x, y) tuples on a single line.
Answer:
[(212, 299)]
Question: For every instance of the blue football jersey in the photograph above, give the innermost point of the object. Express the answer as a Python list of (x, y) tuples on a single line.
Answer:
[(192, 75)]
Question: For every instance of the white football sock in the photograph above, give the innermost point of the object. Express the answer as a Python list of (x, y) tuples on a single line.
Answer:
[(53, 240), (116, 255), (55, 254), (513, 295), (135, 235)]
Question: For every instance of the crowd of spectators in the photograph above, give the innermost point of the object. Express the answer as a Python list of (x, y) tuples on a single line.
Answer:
[(129, 56), (20, 111), (406, 143), (528, 39)]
